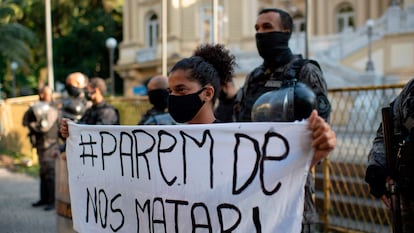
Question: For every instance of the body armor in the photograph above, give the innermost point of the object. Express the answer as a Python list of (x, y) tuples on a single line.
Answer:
[(160, 119), (262, 80)]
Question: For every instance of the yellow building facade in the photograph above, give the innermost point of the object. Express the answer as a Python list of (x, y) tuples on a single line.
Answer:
[(337, 36)]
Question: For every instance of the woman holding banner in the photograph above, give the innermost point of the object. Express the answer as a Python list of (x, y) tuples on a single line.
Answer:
[(194, 86)]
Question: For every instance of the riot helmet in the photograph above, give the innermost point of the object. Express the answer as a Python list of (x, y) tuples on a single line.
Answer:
[(40, 110), (293, 101)]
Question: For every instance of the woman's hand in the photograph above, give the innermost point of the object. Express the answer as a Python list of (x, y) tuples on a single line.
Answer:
[(323, 137)]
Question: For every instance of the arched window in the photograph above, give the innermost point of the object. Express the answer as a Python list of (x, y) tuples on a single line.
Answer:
[(298, 22), (152, 31), (345, 18)]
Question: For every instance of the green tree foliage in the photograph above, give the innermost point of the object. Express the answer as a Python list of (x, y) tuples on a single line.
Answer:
[(79, 28), (80, 35), (16, 43), (82, 48), (15, 39)]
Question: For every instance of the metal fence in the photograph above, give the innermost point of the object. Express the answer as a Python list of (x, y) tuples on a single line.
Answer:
[(342, 195)]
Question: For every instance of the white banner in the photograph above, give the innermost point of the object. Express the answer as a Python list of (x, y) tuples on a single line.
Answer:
[(232, 177)]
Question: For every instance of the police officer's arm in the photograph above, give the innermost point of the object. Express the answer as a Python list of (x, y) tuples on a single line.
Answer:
[(403, 115), (313, 77), (375, 174), (28, 115)]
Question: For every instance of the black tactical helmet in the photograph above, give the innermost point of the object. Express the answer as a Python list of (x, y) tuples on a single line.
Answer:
[(293, 101)]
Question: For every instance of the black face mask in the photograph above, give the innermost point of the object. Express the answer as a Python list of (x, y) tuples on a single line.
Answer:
[(158, 98), (73, 91), (184, 108), (273, 47), (88, 95)]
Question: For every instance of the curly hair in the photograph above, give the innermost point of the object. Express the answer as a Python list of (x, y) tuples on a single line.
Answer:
[(221, 59), (210, 64)]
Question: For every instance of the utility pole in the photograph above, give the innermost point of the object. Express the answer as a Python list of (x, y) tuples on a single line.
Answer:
[(49, 46), (13, 67), (111, 44)]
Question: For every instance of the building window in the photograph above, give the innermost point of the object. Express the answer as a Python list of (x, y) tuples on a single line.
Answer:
[(206, 27), (298, 23), (152, 31), (345, 18)]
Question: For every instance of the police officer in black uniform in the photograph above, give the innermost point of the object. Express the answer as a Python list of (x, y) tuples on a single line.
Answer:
[(101, 113), (42, 119), (273, 31), (402, 109), (158, 96), (75, 104)]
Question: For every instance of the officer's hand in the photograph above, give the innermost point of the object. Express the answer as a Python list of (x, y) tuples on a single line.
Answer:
[(227, 91), (376, 178), (64, 129), (323, 137), (386, 201)]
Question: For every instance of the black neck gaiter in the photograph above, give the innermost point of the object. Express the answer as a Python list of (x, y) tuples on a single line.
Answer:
[(273, 47)]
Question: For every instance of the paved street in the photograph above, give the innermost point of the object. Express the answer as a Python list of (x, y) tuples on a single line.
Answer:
[(17, 192)]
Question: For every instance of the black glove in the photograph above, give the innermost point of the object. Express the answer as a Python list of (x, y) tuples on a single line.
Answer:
[(224, 98), (375, 176)]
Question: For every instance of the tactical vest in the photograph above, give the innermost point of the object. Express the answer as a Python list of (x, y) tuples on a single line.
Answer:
[(262, 80), (160, 119)]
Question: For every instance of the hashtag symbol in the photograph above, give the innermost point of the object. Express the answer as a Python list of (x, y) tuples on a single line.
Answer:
[(84, 147)]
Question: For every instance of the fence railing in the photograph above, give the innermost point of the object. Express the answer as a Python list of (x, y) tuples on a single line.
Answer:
[(342, 195)]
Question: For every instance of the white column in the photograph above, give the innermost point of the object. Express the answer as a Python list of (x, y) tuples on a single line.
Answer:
[(49, 47), (164, 37), (214, 4), (373, 9)]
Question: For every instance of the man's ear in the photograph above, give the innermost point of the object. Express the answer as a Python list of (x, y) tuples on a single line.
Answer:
[(96, 90)]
